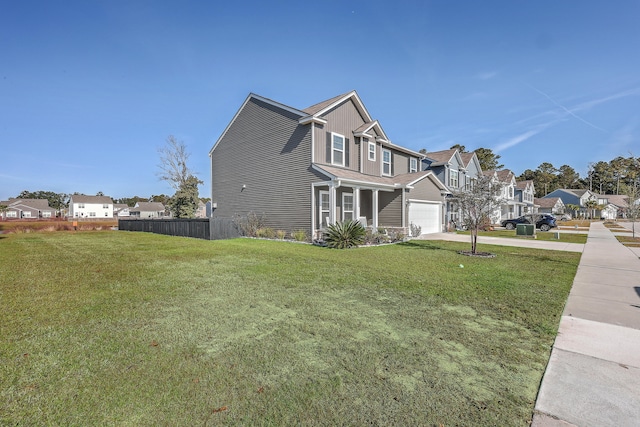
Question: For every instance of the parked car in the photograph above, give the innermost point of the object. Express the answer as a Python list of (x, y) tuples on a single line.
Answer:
[(544, 222)]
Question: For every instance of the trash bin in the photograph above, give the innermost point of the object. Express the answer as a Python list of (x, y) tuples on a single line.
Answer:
[(524, 229)]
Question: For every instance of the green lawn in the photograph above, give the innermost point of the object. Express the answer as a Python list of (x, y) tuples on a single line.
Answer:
[(118, 328), (540, 235)]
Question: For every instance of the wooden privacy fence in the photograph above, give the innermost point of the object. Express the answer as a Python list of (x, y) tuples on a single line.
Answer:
[(199, 228)]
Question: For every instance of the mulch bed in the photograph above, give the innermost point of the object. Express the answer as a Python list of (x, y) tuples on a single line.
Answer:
[(478, 254)]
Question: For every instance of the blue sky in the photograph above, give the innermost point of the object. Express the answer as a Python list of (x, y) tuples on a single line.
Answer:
[(89, 90)]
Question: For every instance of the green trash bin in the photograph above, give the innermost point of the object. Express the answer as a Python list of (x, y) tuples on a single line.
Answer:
[(524, 229)]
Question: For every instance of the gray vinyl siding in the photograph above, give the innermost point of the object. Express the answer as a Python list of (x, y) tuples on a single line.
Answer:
[(425, 189), (268, 152), (342, 120), (390, 207), (400, 162), (371, 167)]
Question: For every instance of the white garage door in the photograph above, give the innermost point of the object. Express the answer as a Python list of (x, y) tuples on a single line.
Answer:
[(426, 215)]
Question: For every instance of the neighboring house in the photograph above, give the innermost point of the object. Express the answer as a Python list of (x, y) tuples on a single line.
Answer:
[(605, 209), (524, 195), (121, 210), (550, 205), (621, 202), (146, 210), (456, 171), (316, 166), (27, 208), (201, 211), (91, 207), (511, 206)]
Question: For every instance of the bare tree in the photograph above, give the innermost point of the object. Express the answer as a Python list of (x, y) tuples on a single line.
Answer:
[(477, 203), (173, 163)]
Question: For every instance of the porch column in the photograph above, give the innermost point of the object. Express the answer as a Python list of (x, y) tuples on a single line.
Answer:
[(374, 209), (332, 204), (356, 203)]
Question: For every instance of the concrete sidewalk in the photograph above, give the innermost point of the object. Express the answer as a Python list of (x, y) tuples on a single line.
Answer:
[(557, 245), (593, 375)]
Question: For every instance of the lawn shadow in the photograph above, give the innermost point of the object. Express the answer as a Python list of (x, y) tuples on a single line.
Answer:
[(430, 245)]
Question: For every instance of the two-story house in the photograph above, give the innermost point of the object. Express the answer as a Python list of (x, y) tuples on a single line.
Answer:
[(456, 171), (525, 197), (90, 207), (302, 169)]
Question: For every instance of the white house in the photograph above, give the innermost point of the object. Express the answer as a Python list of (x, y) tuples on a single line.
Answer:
[(90, 207)]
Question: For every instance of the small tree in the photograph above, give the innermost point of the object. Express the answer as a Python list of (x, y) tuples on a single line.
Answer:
[(574, 208), (476, 205), (591, 205), (3, 209), (184, 203), (633, 208)]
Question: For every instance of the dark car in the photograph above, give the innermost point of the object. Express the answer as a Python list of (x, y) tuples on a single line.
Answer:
[(544, 222)]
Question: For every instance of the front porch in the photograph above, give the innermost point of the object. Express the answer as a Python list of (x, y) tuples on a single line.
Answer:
[(374, 206)]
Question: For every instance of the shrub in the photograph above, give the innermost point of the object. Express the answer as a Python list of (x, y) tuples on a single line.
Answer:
[(266, 232), (416, 230), (250, 224), (281, 234), (343, 235), (299, 235)]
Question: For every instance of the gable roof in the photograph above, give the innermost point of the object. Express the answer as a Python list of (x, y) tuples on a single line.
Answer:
[(315, 112), (522, 185), (81, 198), (442, 157), (505, 175), (547, 202), (147, 207)]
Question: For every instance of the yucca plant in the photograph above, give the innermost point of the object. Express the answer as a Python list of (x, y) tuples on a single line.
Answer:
[(343, 235)]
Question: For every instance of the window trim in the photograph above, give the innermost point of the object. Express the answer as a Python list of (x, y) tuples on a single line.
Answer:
[(334, 149), (353, 210), (452, 173), (320, 210), (371, 153), (390, 162), (412, 167)]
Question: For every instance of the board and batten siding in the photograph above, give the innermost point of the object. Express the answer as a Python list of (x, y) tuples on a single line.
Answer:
[(263, 165), (390, 208), (343, 119)]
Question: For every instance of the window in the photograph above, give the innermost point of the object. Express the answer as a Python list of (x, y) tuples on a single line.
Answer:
[(386, 162), (453, 178), (12, 214), (105, 206), (467, 182), (511, 192), (80, 205), (26, 214), (347, 206), (92, 214), (46, 214), (323, 208), (337, 149), (372, 151), (413, 164)]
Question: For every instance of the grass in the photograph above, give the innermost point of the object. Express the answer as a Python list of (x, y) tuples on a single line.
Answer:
[(629, 241), (140, 329), (50, 225), (540, 235)]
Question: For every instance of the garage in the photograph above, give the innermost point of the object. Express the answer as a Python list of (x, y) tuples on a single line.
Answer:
[(427, 215)]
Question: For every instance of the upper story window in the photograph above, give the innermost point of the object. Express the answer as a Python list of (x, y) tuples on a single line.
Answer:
[(467, 182), (510, 192), (413, 164), (337, 149), (81, 205), (105, 206), (386, 162), (453, 178), (372, 151)]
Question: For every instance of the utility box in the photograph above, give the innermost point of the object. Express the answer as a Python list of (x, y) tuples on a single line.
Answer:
[(525, 229)]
